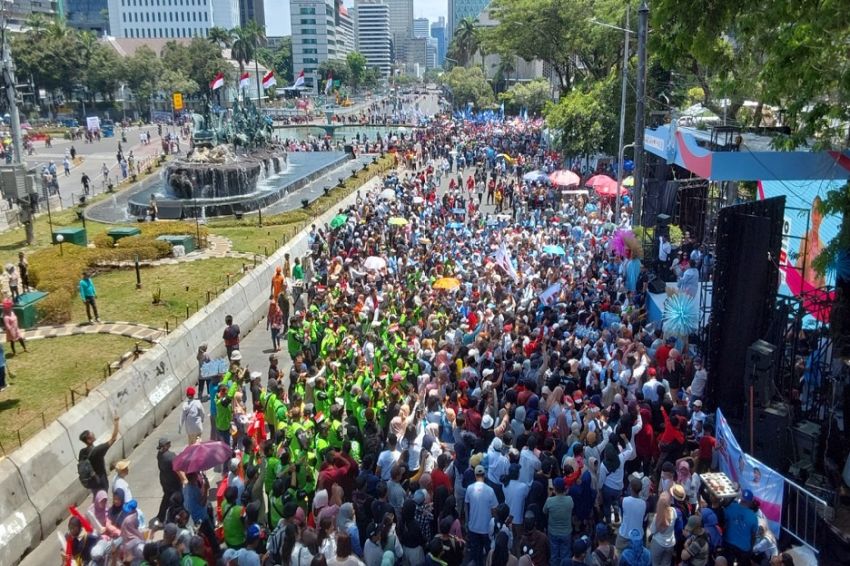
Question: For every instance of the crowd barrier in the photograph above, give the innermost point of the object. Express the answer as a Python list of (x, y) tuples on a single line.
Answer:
[(39, 480)]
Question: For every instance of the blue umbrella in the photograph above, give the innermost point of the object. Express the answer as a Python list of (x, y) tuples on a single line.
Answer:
[(536, 177), (554, 250), (454, 225)]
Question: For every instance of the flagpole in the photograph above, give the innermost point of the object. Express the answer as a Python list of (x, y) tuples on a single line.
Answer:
[(259, 92)]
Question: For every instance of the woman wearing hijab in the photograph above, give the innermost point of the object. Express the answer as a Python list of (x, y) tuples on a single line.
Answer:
[(410, 535), (132, 539), (346, 523), (115, 513)]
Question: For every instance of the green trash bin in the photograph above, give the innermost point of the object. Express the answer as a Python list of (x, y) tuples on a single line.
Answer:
[(123, 232), (71, 236), (25, 308), (185, 240)]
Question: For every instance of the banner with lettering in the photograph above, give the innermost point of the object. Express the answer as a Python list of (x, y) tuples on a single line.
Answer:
[(766, 484)]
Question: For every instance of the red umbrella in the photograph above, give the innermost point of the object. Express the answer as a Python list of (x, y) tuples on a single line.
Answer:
[(605, 186), (202, 456), (564, 178)]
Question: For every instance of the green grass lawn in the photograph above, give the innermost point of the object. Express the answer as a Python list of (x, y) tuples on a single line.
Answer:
[(41, 379), (14, 241), (256, 240), (181, 284)]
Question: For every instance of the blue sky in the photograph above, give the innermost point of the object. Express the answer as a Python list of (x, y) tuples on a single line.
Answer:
[(277, 13)]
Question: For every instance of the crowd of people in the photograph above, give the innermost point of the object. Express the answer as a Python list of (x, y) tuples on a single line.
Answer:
[(447, 392)]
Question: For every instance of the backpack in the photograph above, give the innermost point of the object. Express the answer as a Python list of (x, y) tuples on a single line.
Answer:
[(602, 559), (86, 472)]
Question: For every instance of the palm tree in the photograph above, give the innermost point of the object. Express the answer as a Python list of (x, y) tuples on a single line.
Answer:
[(57, 29), (37, 24), (246, 42), (219, 36), (467, 40)]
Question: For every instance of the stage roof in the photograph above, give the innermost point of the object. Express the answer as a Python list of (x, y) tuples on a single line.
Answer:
[(754, 161)]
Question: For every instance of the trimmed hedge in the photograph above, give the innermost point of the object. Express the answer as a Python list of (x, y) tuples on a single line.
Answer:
[(59, 275)]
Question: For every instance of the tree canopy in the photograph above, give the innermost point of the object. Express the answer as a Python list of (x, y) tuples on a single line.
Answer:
[(468, 85)]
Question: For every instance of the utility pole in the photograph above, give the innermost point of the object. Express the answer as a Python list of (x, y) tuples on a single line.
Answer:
[(640, 110), (17, 143), (620, 169)]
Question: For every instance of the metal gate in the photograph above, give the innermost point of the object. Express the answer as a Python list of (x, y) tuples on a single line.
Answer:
[(803, 509)]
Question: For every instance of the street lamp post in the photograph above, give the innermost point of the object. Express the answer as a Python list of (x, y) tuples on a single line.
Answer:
[(620, 170), (60, 238)]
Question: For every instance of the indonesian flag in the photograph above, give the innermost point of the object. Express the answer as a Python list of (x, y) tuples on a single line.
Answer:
[(269, 80), (299, 80), (217, 82), (329, 83), (245, 80)]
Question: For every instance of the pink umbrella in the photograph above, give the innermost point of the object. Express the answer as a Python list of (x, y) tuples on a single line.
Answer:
[(605, 186), (202, 456), (564, 178)]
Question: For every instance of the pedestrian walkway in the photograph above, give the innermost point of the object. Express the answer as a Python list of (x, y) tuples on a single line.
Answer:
[(217, 247), (120, 328)]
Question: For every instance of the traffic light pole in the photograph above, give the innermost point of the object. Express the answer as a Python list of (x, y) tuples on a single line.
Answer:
[(15, 126)]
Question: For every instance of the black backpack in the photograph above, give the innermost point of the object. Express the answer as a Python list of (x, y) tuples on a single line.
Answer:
[(86, 472)]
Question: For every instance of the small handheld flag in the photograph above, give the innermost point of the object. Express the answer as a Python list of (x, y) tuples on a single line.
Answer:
[(217, 82)]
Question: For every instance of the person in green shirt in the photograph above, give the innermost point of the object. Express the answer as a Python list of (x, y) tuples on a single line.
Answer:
[(295, 337), (196, 552), (223, 415), (232, 519), (298, 270)]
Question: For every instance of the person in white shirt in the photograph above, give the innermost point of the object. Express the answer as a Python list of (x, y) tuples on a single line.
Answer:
[(611, 477), (193, 417), (650, 388), (122, 469), (634, 512), (388, 458), (697, 389), (529, 462)]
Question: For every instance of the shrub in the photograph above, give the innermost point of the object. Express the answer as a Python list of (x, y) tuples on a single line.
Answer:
[(103, 240), (55, 308)]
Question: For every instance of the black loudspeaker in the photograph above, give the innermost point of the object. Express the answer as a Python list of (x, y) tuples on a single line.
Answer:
[(657, 286), (772, 436), (760, 371)]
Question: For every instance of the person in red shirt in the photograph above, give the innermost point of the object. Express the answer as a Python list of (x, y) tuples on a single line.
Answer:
[(334, 469), (438, 474), (663, 352), (706, 449)]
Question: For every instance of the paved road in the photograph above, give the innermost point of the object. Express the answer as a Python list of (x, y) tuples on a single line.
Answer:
[(255, 348)]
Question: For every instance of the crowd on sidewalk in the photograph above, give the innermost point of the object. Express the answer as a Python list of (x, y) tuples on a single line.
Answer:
[(464, 388)]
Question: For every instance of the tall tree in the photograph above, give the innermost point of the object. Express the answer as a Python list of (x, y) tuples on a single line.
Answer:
[(468, 85), (219, 36), (279, 59), (466, 41), (357, 67), (583, 120), (143, 70)]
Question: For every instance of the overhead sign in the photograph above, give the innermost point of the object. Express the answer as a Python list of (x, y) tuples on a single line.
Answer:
[(177, 101)]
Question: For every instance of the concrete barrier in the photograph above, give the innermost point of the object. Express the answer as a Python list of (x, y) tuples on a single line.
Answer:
[(20, 526), (48, 466), (126, 398), (39, 480)]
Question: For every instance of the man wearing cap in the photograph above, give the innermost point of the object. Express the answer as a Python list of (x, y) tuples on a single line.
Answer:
[(170, 481), (480, 502), (696, 547), (193, 417), (739, 536)]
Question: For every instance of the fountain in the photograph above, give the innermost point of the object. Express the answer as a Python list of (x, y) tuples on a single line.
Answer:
[(233, 167)]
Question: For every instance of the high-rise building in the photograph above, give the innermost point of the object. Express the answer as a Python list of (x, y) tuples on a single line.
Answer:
[(317, 37), (90, 15), (345, 41), (401, 26), (373, 34), (421, 27), (460, 9), (252, 10), (438, 32), (17, 12), (134, 19), (417, 56), (430, 53)]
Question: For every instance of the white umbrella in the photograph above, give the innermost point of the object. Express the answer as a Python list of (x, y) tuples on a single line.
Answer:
[(375, 263), (388, 194)]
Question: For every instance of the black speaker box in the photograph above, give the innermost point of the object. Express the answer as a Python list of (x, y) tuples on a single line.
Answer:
[(657, 286)]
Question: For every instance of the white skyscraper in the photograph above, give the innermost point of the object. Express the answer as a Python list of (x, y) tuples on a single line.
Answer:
[(161, 19), (373, 34), (314, 37), (345, 41)]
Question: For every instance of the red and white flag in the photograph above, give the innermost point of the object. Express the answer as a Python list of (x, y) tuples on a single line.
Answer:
[(245, 80), (217, 82), (330, 83), (299, 80), (269, 80)]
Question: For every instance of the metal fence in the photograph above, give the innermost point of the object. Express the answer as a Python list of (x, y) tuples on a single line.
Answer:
[(803, 510)]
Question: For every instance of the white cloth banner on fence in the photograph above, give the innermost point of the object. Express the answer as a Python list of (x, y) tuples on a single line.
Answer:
[(766, 484)]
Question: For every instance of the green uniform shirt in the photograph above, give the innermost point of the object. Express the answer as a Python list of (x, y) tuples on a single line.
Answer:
[(234, 529), (223, 414)]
